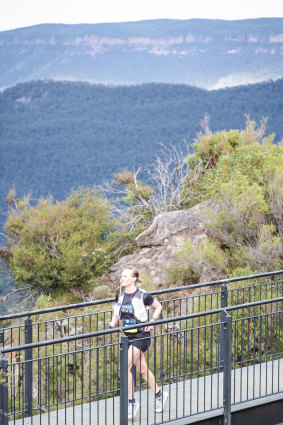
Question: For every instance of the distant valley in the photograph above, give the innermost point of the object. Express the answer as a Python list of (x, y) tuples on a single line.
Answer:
[(58, 135), (210, 54)]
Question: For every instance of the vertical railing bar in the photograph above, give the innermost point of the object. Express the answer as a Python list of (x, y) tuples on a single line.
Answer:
[(28, 368), (44, 364), (38, 355), (22, 395), (74, 359), (198, 359), (280, 347), (65, 358), (48, 402), (211, 363), (82, 385), (227, 370), (234, 358), (4, 398), (57, 385), (185, 366), (260, 353), (191, 384), (242, 355), (13, 391), (53, 350), (104, 377), (266, 351), (171, 371), (248, 351), (89, 383), (253, 360), (112, 348), (61, 370), (124, 380), (39, 387), (162, 357), (175, 373), (273, 343), (204, 366), (218, 364), (147, 390), (97, 379), (277, 348), (224, 302)]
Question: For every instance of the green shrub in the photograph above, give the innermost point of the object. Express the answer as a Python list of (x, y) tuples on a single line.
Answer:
[(60, 244), (192, 259), (242, 209), (225, 153)]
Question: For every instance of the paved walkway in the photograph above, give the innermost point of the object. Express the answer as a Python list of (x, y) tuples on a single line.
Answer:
[(194, 399)]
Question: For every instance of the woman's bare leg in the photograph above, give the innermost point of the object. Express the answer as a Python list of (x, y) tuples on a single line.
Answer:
[(133, 359), (146, 373)]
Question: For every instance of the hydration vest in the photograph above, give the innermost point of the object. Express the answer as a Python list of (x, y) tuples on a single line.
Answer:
[(139, 308)]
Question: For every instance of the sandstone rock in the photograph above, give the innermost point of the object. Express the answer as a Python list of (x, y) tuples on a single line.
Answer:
[(158, 246), (170, 223)]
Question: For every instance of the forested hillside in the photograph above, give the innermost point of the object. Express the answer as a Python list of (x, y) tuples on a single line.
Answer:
[(59, 135)]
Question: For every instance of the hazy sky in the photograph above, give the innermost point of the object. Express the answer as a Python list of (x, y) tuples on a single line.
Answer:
[(21, 13)]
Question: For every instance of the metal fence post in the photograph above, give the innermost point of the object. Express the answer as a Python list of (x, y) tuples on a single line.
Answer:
[(227, 369), (3, 391), (28, 368), (124, 380), (224, 303)]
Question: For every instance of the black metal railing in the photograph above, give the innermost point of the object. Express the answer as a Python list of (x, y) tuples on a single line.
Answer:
[(39, 325), (207, 361)]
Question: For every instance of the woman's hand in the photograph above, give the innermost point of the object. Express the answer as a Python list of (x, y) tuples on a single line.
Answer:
[(148, 328), (113, 322)]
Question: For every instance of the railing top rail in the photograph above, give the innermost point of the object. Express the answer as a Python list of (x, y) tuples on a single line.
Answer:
[(139, 325), (161, 291)]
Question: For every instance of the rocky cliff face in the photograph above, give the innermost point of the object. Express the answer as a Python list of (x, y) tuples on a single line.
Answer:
[(171, 51), (158, 247)]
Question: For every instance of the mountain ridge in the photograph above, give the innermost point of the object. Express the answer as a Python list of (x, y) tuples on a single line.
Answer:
[(200, 52)]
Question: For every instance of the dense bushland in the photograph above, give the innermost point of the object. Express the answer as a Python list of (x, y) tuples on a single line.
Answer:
[(69, 244), (244, 180)]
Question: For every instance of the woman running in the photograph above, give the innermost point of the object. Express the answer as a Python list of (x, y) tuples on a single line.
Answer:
[(130, 307)]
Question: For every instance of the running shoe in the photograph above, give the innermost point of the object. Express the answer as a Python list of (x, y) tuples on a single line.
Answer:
[(132, 409), (160, 402)]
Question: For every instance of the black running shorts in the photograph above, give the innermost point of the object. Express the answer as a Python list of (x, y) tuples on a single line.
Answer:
[(141, 343)]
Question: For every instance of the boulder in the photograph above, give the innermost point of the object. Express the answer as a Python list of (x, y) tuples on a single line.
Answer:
[(158, 246), (171, 223)]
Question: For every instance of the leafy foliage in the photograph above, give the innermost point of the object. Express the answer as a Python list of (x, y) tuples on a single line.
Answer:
[(244, 180), (60, 244)]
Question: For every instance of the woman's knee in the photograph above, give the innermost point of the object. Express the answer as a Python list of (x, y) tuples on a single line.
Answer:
[(143, 369), (141, 366)]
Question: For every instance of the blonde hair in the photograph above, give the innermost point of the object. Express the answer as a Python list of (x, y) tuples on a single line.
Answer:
[(135, 273)]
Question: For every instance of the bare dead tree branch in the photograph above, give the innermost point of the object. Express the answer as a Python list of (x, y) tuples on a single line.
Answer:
[(4, 299), (168, 174), (170, 188), (204, 123)]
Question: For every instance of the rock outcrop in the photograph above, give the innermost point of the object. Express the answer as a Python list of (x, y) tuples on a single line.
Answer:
[(166, 225), (158, 246)]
